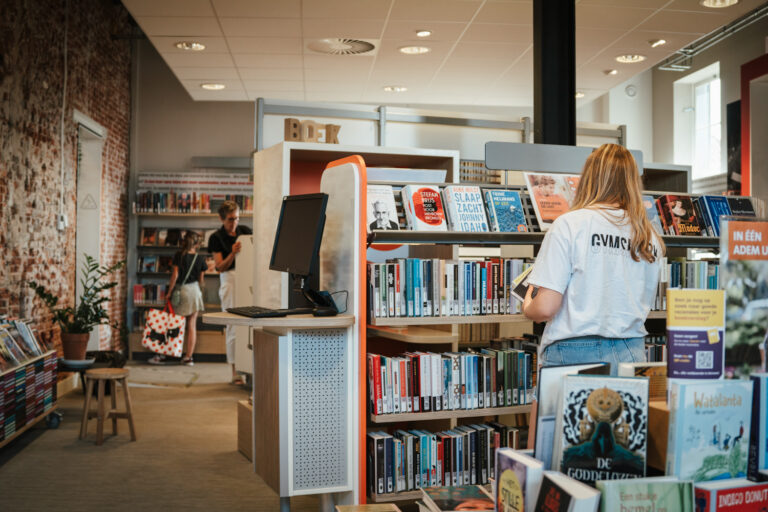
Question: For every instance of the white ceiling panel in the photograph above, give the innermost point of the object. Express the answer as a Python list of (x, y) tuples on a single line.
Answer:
[(506, 12), (141, 8), (198, 60), (444, 31), (504, 52), (255, 60), (274, 85), (230, 85), (207, 74), (179, 26), (203, 95), (640, 40), (258, 8), (354, 29), (684, 22), (337, 63), (610, 16), (597, 36), (165, 44), (261, 27), (498, 33), (268, 45), (316, 86), (743, 7), (346, 9), (271, 73), (334, 96), (277, 95), (435, 10)]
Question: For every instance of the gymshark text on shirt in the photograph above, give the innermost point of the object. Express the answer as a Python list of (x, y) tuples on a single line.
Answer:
[(613, 244)]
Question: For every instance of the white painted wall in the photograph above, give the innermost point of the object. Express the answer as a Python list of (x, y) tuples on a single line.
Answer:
[(758, 105), (636, 112), (596, 111)]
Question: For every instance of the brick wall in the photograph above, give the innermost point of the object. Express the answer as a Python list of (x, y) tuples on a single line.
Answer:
[(31, 85)]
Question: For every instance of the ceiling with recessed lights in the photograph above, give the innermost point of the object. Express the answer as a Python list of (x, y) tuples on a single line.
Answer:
[(479, 52)]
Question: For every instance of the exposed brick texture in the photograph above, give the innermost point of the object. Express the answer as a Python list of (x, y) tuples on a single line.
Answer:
[(31, 86)]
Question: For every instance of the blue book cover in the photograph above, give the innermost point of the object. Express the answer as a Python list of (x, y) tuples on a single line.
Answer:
[(709, 428), (716, 207), (505, 211), (653, 213)]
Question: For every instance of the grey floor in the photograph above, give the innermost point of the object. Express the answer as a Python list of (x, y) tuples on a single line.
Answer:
[(185, 457)]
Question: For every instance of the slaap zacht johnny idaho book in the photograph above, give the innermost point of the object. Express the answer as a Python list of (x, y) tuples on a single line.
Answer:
[(518, 480), (657, 494), (464, 208), (423, 208), (708, 435), (560, 493), (731, 495), (601, 429), (382, 212), (505, 211)]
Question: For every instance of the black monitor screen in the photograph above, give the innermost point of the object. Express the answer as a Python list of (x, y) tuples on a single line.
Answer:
[(299, 232)]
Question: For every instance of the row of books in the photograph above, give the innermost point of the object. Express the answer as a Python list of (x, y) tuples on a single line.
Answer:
[(26, 393), (426, 381), (18, 344), (170, 237), (656, 348), (413, 459), (163, 263), (148, 201), (414, 287), (683, 273), (149, 293), (686, 215)]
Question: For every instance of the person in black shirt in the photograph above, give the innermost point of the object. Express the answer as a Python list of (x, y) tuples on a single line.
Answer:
[(224, 246), (187, 271)]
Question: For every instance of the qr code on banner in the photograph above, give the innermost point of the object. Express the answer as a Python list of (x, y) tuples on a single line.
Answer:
[(705, 360)]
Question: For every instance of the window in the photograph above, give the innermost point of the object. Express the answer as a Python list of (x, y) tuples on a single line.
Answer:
[(707, 129)]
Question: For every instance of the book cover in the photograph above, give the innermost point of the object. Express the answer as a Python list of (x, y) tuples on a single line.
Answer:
[(464, 208), (148, 264), (653, 214), (423, 208), (758, 437), (655, 372), (162, 235), (560, 493), (164, 264), (382, 212), (733, 495), (695, 333), (148, 236), (709, 425), (518, 480), (647, 494), (741, 206), (678, 210), (717, 206), (173, 237), (455, 498), (601, 430), (505, 211), (551, 195)]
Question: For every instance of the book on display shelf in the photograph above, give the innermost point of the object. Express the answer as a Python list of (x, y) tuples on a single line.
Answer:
[(601, 429), (381, 208), (731, 495), (423, 208), (457, 498), (757, 463), (551, 195), (715, 207), (741, 206), (518, 480), (678, 216), (148, 236), (505, 211), (464, 208), (560, 493), (653, 214), (646, 494), (655, 372), (709, 429)]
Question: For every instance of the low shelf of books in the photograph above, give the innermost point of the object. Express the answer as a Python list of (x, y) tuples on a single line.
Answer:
[(162, 217), (28, 376), (466, 396)]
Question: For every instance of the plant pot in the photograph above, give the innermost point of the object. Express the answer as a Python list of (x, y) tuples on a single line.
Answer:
[(74, 345)]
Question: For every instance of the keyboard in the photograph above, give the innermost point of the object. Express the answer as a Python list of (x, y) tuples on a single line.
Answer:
[(257, 312)]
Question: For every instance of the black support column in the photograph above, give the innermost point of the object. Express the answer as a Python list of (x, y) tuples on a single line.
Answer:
[(554, 72)]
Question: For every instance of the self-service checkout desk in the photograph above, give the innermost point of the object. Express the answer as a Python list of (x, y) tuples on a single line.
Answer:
[(302, 413)]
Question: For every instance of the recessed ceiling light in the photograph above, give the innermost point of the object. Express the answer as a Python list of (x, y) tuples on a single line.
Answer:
[(423, 33), (630, 58), (655, 43), (395, 88), (213, 87), (192, 46), (611, 71), (579, 94), (415, 50), (718, 4)]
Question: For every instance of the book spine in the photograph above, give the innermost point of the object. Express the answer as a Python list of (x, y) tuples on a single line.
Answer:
[(426, 289), (394, 369), (437, 281), (425, 381), (672, 433), (409, 288), (380, 465), (389, 452), (495, 269), (417, 305), (415, 382), (437, 382), (480, 381), (483, 290), (391, 289)]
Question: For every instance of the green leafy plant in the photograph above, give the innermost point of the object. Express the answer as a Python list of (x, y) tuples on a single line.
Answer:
[(89, 311)]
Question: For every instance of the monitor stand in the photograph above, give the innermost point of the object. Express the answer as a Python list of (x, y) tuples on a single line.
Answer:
[(322, 303)]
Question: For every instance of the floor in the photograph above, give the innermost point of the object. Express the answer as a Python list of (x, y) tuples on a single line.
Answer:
[(185, 457)]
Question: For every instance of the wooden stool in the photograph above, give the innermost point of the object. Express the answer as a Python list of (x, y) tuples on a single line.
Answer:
[(102, 375)]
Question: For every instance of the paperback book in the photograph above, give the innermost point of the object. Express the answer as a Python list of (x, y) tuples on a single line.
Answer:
[(646, 494), (709, 428), (382, 212), (741, 206), (518, 480), (653, 214), (560, 493), (678, 215), (695, 333), (757, 463), (551, 195), (716, 207), (423, 208), (456, 498), (464, 208), (732, 495), (601, 430), (505, 211), (655, 372)]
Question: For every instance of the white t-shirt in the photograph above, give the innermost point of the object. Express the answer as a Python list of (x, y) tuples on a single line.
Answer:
[(586, 257)]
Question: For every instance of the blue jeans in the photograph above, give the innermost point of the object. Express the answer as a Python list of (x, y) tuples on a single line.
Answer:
[(592, 349)]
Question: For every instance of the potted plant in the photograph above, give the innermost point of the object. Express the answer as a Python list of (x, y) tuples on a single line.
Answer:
[(78, 321)]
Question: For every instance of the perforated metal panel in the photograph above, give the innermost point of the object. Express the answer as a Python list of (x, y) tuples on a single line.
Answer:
[(320, 409)]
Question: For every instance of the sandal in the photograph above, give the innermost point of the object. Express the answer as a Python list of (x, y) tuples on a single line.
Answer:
[(238, 380), (188, 361), (157, 359)]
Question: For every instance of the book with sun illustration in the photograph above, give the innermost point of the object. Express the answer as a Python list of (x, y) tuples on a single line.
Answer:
[(601, 429)]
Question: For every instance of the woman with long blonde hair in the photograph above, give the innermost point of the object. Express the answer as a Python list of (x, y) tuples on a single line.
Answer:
[(596, 274)]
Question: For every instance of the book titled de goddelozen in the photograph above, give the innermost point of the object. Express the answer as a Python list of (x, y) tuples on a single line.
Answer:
[(518, 480), (505, 211), (601, 428), (560, 493), (464, 208), (655, 494), (423, 208), (732, 495), (456, 498), (709, 423)]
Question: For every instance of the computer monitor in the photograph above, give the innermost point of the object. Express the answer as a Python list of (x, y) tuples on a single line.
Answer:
[(299, 233)]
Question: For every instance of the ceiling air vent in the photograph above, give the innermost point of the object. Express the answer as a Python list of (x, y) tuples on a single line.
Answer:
[(342, 46)]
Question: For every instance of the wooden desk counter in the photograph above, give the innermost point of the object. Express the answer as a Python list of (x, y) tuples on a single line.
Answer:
[(290, 321)]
